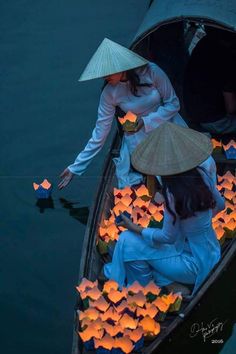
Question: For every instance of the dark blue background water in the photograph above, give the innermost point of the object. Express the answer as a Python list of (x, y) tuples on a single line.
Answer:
[(46, 118)]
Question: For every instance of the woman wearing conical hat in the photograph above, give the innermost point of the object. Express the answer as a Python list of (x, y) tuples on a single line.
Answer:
[(186, 249), (134, 85)]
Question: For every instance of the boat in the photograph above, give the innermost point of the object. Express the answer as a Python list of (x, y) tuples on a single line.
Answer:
[(179, 21)]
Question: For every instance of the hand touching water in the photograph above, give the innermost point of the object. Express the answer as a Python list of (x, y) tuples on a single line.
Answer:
[(66, 177)]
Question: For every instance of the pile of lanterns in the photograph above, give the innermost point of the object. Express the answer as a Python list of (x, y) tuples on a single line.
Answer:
[(120, 320), (136, 202), (229, 149), (224, 223)]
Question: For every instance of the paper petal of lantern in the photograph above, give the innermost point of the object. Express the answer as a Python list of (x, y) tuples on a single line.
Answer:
[(142, 191), (101, 304), (115, 296), (94, 293), (138, 202), (109, 285), (86, 284), (91, 332), (128, 322), (216, 143), (124, 343), (150, 311), (229, 194), (90, 313), (144, 221), (135, 335), (107, 342), (135, 288), (150, 326), (161, 305), (138, 299), (226, 184), (110, 314), (152, 288), (112, 330), (97, 324), (229, 176)]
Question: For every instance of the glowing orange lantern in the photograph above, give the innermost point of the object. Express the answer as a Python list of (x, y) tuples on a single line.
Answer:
[(152, 208), (111, 314), (161, 305), (229, 194), (91, 332), (126, 200), (128, 322), (107, 342), (93, 294), (112, 330), (101, 304), (138, 299), (149, 326), (109, 285), (135, 288), (157, 216), (144, 221), (124, 343), (150, 311), (43, 190), (138, 202), (90, 313), (115, 295), (135, 335), (152, 288), (229, 176), (142, 192), (230, 228), (226, 184), (124, 306), (216, 144), (174, 300), (97, 324), (120, 208), (86, 284), (112, 231), (129, 122)]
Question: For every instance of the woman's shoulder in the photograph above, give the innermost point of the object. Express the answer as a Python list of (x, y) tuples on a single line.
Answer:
[(151, 70)]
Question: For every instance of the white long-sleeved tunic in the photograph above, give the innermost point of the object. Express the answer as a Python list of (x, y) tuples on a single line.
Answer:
[(155, 104)]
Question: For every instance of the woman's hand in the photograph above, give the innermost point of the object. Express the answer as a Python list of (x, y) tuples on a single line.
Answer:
[(139, 125), (128, 224), (66, 176)]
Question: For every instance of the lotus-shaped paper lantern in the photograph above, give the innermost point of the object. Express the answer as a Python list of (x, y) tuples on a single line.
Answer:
[(112, 330), (101, 304), (109, 285), (120, 208), (135, 288), (161, 305), (144, 221), (150, 327), (229, 176), (150, 311), (129, 122), (111, 314), (126, 200), (216, 144), (43, 190), (128, 322), (137, 299), (230, 228), (97, 324), (139, 202), (174, 300), (228, 194), (122, 192), (93, 294), (91, 332), (230, 150), (90, 313), (143, 193), (135, 335), (152, 288), (107, 342), (86, 284), (125, 344), (227, 184), (116, 296), (124, 307)]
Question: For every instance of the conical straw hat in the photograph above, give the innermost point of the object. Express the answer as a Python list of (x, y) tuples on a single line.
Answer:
[(111, 58), (171, 149)]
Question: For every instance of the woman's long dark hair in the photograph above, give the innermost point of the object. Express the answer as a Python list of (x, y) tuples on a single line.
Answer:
[(190, 193), (134, 81)]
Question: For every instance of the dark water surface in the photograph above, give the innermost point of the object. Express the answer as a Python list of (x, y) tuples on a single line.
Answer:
[(46, 118)]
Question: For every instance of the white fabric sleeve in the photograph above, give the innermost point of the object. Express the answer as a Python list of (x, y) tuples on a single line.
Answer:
[(106, 111), (169, 101)]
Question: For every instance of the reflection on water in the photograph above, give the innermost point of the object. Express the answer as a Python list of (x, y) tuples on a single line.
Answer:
[(43, 204), (81, 214)]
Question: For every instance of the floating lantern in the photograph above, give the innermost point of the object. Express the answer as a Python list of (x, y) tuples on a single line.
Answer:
[(101, 304), (43, 190), (128, 322), (109, 285), (150, 327), (129, 122), (230, 150)]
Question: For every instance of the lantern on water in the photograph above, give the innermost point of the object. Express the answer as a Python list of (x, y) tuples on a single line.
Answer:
[(43, 190), (128, 122)]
